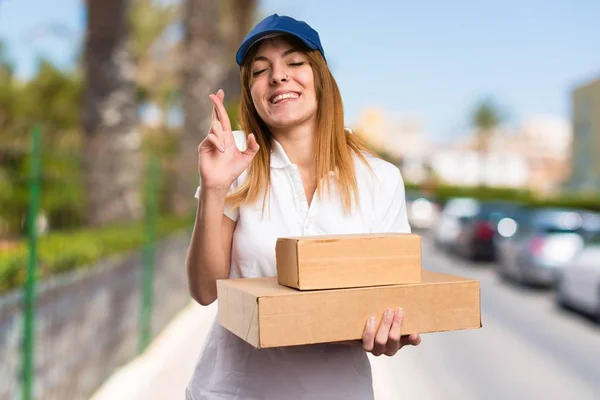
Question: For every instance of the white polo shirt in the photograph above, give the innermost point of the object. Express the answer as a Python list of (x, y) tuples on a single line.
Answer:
[(228, 367)]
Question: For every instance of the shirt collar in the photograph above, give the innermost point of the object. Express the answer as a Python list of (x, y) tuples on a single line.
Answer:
[(278, 157)]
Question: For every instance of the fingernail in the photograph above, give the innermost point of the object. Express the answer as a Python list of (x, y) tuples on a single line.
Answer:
[(399, 312), (371, 321), (388, 313)]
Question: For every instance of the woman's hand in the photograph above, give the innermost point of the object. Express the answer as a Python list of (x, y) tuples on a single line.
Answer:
[(220, 161), (387, 339)]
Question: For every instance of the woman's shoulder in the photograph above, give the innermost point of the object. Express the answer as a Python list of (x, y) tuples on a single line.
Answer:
[(383, 170)]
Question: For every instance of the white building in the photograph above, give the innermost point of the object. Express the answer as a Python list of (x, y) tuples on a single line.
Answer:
[(469, 168), (403, 137), (534, 155)]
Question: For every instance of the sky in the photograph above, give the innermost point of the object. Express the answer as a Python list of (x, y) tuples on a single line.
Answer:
[(429, 59)]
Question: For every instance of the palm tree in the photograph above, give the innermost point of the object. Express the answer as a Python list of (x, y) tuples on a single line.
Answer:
[(485, 119), (203, 66), (112, 157), (155, 54), (239, 17), (213, 30)]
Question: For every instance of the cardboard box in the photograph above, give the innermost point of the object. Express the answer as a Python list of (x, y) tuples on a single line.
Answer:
[(266, 314), (347, 261)]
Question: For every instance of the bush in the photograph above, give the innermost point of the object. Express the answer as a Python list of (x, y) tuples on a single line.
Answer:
[(568, 201), (64, 251), (442, 193)]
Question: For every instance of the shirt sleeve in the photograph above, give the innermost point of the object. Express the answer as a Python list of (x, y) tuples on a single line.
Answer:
[(390, 214), (232, 212)]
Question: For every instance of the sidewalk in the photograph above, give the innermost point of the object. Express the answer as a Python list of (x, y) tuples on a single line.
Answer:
[(163, 371)]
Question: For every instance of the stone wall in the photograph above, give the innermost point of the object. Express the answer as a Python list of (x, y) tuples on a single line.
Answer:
[(87, 322)]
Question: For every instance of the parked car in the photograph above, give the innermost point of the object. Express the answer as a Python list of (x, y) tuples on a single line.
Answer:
[(447, 228), (545, 241), (477, 232), (422, 210), (578, 285)]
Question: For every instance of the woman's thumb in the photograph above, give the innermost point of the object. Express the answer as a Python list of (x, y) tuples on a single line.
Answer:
[(251, 146)]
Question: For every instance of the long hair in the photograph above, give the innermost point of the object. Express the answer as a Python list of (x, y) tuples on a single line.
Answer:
[(334, 146)]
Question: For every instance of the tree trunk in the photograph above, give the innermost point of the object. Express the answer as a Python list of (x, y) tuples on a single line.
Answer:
[(112, 149), (240, 21), (204, 65)]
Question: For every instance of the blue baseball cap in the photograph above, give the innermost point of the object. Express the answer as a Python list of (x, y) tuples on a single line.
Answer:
[(279, 24)]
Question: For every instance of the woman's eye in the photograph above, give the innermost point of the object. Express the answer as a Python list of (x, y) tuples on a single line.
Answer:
[(257, 73), (297, 64)]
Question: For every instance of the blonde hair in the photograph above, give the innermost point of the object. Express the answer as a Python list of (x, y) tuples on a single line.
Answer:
[(334, 147)]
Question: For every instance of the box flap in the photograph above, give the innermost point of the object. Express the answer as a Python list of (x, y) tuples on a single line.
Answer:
[(239, 313)]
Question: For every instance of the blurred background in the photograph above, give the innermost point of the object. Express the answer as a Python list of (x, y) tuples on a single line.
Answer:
[(490, 109)]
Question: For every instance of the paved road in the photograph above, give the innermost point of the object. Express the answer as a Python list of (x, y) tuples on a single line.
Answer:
[(528, 348)]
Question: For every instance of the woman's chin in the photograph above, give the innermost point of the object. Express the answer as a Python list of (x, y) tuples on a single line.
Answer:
[(288, 121)]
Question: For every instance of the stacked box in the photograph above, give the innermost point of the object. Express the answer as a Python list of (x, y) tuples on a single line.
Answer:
[(347, 261), (328, 286)]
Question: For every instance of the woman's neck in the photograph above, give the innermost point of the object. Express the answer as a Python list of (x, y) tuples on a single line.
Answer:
[(299, 144)]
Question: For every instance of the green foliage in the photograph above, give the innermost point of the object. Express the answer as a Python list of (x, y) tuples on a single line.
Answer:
[(53, 99), (233, 111), (153, 49), (67, 250), (149, 19), (7, 90)]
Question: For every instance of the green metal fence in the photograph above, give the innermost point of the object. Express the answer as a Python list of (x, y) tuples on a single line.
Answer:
[(153, 226), (150, 220), (29, 319)]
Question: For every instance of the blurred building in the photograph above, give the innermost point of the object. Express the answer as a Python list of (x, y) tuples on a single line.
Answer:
[(374, 127), (467, 167), (546, 142), (534, 155), (586, 141), (402, 137)]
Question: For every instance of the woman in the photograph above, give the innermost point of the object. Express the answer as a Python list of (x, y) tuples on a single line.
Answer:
[(297, 172)]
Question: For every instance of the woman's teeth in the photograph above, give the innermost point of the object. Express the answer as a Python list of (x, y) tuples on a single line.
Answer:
[(284, 96)]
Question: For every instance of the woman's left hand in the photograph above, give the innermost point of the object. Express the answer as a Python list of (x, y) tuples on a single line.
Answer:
[(387, 339)]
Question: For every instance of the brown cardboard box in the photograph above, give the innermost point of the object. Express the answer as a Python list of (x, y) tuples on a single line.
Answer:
[(347, 261), (266, 314)]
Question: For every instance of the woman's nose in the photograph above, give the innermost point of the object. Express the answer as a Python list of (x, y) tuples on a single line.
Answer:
[(279, 75)]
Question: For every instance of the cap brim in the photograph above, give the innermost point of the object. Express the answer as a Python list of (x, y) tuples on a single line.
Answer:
[(252, 40)]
